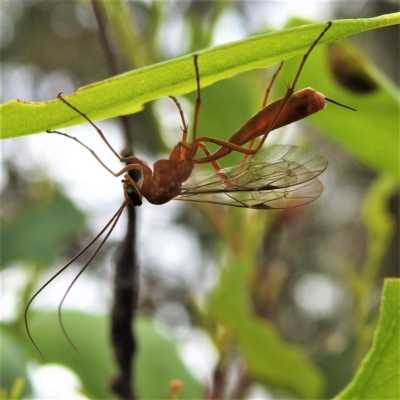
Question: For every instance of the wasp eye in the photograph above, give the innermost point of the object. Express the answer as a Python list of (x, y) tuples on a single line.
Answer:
[(134, 195)]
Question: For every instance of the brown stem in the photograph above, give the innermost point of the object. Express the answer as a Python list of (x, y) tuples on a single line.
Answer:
[(123, 311), (126, 287)]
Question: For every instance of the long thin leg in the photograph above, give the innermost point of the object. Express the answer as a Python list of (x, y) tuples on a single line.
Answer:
[(180, 150), (278, 113), (134, 163), (290, 89), (265, 101), (198, 99), (184, 126), (181, 113), (86, 147), (268, 90), (122, 159), (214, 163), (283, 103), (303, 61)]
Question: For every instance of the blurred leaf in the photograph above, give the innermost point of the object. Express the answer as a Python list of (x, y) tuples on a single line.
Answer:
[(15, 393), (372, 133), (13, 359), (157, 362), (268, 358), (126, 93), (379, 375), (53, 218), (94, 366), (380, 223), (17, 389), (349, 67), (37, 231)]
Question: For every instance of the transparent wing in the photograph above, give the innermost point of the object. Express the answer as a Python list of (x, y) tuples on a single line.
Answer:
[(279, 176)]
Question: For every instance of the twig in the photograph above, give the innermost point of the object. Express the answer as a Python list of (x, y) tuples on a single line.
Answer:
[(126, 286), (123, 310)]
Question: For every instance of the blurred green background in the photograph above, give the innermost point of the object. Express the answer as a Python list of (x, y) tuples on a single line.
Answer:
[(260, 304)]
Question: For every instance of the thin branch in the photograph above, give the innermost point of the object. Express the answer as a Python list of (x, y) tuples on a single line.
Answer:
[(126, 287)]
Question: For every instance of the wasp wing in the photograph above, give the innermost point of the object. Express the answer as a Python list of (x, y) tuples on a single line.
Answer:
[(279, 176)]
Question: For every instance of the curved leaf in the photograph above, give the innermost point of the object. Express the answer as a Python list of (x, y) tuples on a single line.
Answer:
[(379, 375), (126, 93), (157, 359)]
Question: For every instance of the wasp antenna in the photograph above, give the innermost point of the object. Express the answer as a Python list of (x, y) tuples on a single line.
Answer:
[(339, 104), (113, 221), (29, 332), (116, 215)]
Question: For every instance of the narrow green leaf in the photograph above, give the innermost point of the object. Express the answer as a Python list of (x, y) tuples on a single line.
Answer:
[(42, 226), (379, 375), (380, 224), (13, 362), (157, 360), (126, 93)]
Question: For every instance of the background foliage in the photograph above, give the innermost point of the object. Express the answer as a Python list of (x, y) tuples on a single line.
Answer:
[(283, 302)]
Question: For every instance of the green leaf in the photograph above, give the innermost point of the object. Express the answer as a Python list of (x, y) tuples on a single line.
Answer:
[(93, 366), (13, 361), (379, 375), (156, 364), (380, 228), (38, 230), (380, 224), (126, 93)]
